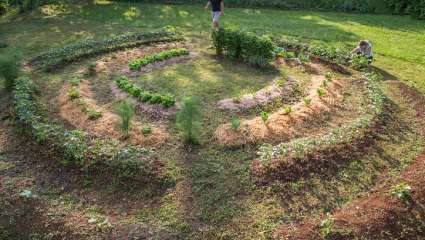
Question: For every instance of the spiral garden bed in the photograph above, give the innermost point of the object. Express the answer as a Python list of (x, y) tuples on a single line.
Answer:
[(292, 129)]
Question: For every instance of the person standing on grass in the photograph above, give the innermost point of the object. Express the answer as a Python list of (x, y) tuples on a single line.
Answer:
[(217, 11)]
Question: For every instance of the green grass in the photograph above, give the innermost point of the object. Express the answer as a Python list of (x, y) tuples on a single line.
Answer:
[(220, 201)]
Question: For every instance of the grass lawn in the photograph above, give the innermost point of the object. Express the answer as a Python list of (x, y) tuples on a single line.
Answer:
[(215, 197)]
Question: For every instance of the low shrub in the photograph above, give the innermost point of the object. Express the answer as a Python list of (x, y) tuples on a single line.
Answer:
[(88, 153), (126, 112), (54, 58), (9, 68), (360, 62), (141, 62), (189, 120), (238, 44), (165, 100)]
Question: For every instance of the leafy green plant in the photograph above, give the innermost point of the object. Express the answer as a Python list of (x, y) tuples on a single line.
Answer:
[(329, 76), (304, 58), (189, 120), (75, 81), (146, 130), (236, 123), (327, 226), (165, 100), (320, 92), (138, 63), (307, 101), (9, 68), (54, 58), (287, 110), (401, 191), (289, 55), (264, 116), (125, 111), (73, 93), (93, 114), (360, 62)]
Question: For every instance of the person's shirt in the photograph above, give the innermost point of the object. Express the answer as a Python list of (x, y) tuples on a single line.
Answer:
[(216, 5), (367, 51)]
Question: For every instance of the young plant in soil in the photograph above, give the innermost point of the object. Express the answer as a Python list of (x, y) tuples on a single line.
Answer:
[(93, 114), (264, 116), (329, 76), (236, 123), (125, 111), (146, 130), (9, 68), (402, 191), (91, 70), (73, 93), (320, 92), (307, 101), (189, 120), (288, 110)]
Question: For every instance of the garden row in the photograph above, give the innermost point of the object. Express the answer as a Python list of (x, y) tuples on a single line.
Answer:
[(165, 100), (300, 157), (164, 55), (95, 155), (57, 57)]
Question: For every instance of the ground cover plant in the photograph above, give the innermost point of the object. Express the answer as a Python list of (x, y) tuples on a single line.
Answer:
[(354, 169), (138, 63)]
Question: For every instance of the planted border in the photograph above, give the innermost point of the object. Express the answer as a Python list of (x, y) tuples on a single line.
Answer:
[(289, 161), (82, 150), (57, 57), (246, 46), (165, 100), (136, 64)]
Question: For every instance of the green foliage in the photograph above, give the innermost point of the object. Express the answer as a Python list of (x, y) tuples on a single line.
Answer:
[(264, 116), (73, 93), (9, 68), (289, 55), (236, 123), (93, 114), (126, 112), (401, 191), (54, 58), (360, 62), (329, 76), (307, 101), (165, 100), (238, 44), (189, 120), (327, 226), (287, 110), (138, 63), (304, 58), (320, 92), (78, 148), (75, 81), (146, 130)]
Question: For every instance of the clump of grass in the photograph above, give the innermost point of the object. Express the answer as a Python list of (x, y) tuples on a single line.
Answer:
[(307, 101), (9, 68), (320, 92), (125, 111), (236, 123), (264, 116), (146, 130), (73, 93), (288, 110), (189, 120)]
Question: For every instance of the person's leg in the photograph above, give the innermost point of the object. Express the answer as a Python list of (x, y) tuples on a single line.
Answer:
[(216, 18)]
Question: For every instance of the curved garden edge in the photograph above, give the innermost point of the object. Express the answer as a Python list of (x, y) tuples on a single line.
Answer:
[(379, 212), (300, 157)]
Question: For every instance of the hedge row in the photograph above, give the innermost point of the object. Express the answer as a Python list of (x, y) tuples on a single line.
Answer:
[(239, 44), (57, 57), (102, 156), (289, 161), (165, 100), (416, 8), (141, 62)]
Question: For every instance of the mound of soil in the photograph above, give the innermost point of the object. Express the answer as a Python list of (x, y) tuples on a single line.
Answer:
[(260, 98), (105, 126)]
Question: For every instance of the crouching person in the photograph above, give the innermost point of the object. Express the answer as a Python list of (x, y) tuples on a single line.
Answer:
[(364, 48)]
